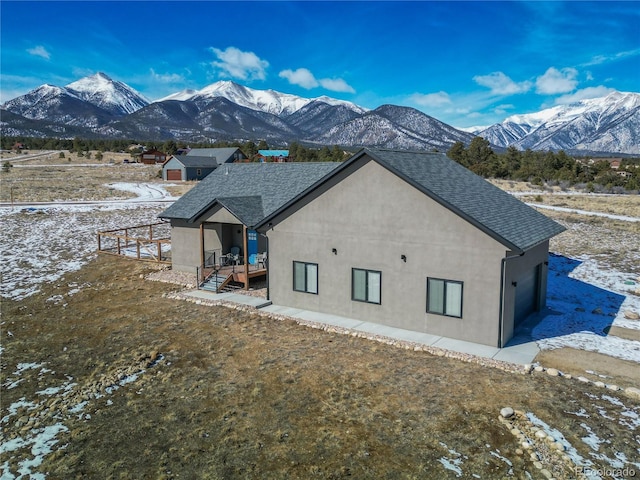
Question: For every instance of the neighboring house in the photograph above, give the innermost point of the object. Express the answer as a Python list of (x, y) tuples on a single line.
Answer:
[(273, 156), (223, 155), (151, 157), (407, 239), (614, 163), (197, 167)]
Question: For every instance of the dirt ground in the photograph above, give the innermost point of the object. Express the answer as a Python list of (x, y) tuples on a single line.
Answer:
[(222, 393), (592, 365), (139, 385), (46, 178)]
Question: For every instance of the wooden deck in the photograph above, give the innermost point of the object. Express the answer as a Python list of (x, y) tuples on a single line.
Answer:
[(238, 273)]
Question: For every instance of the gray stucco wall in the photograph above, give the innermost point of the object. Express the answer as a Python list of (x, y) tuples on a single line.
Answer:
[(371, 219), (222, 230), (516, 267), (185, 244)]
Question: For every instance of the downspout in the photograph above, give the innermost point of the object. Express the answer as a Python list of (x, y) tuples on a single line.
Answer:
[(201, 252), (503, 266), (245, 246), (267, 264)]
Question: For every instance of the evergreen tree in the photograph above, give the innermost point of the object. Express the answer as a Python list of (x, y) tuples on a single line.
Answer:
[(169, 147), (458, 153), (250, 149)]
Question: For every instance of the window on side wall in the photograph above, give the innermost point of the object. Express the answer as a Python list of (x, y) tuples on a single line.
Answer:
[(305, 277), (444, 297), (366, 285), (198, 171)]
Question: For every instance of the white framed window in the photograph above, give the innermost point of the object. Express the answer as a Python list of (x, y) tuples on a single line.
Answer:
[(305, 277), (366, 285), (444, 297)]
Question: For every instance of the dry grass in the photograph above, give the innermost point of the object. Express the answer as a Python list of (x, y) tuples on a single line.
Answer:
[(603, 239), (49, 157), (627, 205), (50, 179), (242, 396), (237, 395)]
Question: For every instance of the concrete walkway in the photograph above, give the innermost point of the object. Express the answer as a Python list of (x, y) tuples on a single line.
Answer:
[(520, 350)]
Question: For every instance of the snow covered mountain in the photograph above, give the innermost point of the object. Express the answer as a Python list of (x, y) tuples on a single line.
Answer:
[(90, 101), (100, 106), (391, 126), (269, 101), (112, 95), (605, 124)]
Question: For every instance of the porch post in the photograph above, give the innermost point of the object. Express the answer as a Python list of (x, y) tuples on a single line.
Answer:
[(245, 247), (201, 251)]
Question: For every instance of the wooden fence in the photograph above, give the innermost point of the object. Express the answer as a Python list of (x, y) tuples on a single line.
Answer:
[(149, 242)]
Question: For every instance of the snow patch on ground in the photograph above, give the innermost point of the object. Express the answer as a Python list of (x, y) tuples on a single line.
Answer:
[(583, 301), (145, 192), (40, 245)]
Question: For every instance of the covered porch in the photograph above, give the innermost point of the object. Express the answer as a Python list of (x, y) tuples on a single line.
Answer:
[(230, 253)]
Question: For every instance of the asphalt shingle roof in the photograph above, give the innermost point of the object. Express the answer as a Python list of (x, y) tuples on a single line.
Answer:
[(221, 154), (194, 161), (496, 212), (256, 192), (251, 191)]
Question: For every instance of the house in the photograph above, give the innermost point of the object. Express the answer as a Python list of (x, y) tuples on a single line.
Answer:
[(199, 163), (411, 240), (614, 163), (273, 155), (151, 157), (223, 155)]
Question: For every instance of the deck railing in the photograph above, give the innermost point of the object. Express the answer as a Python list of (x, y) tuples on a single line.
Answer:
[(149, 242)]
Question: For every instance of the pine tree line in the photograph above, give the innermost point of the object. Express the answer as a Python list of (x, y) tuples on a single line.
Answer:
[(538, 167)]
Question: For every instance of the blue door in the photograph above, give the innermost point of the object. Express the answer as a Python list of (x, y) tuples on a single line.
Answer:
[(252, 246)]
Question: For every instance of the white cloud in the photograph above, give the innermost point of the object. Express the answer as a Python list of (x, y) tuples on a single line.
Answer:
[(167, 77), (583, 94), (556, 81), (301, 77), (39, 51), (305, 79), (235, 63), (500, 84), (336, 85), (503, 109), (437, 99), (600, 59)]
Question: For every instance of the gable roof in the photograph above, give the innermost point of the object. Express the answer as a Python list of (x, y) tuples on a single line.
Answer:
[(221, 154), (250, 191), (192, 161), (494, 211)]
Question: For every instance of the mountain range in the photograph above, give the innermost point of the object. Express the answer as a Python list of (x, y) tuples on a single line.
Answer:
[(98, 106)]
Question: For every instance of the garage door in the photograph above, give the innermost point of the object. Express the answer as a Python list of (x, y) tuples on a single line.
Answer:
[(174, 174), (526, 296)]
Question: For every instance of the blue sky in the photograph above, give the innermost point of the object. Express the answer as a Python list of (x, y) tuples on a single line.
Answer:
[(465, 63)]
